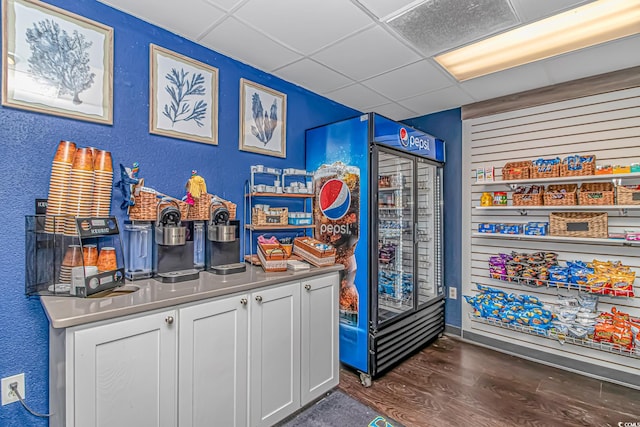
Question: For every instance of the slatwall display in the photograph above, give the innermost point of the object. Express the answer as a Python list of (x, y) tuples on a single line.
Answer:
[(606, 125)]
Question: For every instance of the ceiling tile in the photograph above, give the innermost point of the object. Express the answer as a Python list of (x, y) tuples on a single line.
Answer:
[(189, 20), (612, 56), (529, 10), (232, 37), (224, 4), (392, 111), (439, 100), (410, 80), (357, 96), (514, 80), (384, 8), (437, 26), (304, 25), (313, 76), (366, 54)]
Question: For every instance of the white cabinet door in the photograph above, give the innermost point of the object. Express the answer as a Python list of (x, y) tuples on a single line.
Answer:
[(212, 369), (125, 373), (319, 334), (274, 354)]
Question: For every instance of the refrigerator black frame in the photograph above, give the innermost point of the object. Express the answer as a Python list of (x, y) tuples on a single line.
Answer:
[(424, 322)]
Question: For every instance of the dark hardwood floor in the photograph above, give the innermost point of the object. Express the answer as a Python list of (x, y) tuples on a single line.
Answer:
[(453, 383)]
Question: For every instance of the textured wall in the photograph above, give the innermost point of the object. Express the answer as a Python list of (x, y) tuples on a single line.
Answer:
[(448, 126), (28, 141)]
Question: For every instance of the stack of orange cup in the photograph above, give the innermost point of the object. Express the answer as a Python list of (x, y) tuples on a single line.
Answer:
[(107, 259), (103, 182), (59, 187), (72, 258), (81, 183)]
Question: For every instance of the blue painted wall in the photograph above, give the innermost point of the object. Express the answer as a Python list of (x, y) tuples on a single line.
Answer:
[(448, 126), (28, 141)]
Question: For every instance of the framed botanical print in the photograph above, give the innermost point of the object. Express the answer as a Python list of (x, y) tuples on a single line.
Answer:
[(56, 62), (183, 97), (263, 113)]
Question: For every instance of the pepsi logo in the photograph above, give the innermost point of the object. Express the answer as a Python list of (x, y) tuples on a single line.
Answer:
[(404, 137), (334, 199)]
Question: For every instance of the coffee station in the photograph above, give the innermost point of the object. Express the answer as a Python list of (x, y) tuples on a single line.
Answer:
[(142, 286)]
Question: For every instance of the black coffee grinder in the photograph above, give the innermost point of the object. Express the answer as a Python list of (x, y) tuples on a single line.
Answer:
[(173, 246), (223, 241)]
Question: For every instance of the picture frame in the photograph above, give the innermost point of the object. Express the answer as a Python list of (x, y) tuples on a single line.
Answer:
[(257, 135), (183, 96), (36, 81)]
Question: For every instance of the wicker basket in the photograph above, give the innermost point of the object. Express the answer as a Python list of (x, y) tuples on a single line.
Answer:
[(596, 193), (144, 208), (586, 168), (628, 196), (535, 199), (561, 195), (200, 209), (545, 171), (274, 216), (516, 170), (579, 224), (274, 259), (304, 248), (231, 207)]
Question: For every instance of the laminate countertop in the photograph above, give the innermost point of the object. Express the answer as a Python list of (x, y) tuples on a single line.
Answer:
[(151, 294)]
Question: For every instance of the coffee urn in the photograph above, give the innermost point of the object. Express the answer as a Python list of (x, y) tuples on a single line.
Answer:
[(223, 241), (174, 245)]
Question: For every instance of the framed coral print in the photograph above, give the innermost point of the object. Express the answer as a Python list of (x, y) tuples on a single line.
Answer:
[(263, 114), (184, 97), (55, 62)]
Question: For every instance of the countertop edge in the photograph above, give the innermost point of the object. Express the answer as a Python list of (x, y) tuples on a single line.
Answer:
[(59, 310)]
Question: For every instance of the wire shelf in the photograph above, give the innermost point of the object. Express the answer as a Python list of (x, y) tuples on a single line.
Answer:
[(532, 283), (587, 343)]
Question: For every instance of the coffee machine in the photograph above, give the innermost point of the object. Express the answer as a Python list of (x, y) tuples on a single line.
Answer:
[(223, 241), (174, 245)]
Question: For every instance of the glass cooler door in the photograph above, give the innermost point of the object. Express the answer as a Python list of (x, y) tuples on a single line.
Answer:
[(395, 220), (427, 231)]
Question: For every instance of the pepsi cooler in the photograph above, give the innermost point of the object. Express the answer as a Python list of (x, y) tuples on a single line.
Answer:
[(378, 201)]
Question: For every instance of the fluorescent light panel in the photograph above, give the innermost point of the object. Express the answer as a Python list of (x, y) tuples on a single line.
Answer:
[(588, 25)]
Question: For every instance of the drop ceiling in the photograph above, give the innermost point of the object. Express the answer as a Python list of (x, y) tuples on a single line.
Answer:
[(375, 55)]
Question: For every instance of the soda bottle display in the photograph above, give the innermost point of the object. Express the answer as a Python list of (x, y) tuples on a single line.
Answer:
[(336, 210)]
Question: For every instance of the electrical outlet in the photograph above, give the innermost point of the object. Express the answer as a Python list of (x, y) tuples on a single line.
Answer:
[(8, 396), (453, 292)]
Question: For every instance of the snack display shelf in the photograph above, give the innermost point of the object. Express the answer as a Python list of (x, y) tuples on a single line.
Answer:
[(581, 178), (588, 343), (524, 281), (592, 240), (558, 208)]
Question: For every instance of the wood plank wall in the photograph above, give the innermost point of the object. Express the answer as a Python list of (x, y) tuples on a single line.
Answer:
[(607, 125), (594, 85)]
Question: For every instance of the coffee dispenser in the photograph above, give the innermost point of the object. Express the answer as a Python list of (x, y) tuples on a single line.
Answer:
[(174, 248), (138, 240), (223, 241)]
